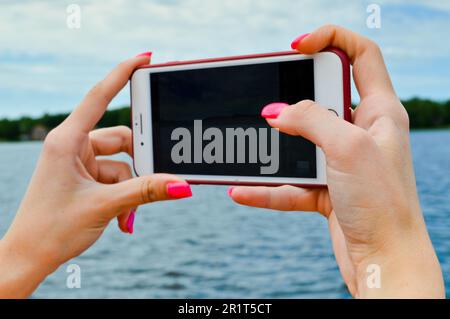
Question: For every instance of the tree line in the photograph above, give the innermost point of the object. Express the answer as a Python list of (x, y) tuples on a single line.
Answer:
[(423, 114)]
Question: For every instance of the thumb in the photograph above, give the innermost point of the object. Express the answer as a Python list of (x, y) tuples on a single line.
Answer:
[(146, 189), (311, 121)]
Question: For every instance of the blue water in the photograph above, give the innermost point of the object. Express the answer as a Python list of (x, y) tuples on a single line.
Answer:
[(209, 247)]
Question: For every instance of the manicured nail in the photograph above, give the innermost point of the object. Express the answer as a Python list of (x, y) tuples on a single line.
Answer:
[(130, 221), (229, 191), (144, 54), (297, 40), (179, 190), (272, 110)]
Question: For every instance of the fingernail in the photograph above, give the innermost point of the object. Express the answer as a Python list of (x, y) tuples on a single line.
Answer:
[(272, 110), (144, 54), (179, 190), (229, 191), (297, 40), (130, 221)]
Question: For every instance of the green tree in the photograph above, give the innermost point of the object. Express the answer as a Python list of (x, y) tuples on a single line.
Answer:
[(423, 113), (9, 130)]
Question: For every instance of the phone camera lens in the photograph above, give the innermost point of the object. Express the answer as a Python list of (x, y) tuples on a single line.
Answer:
[(142, 143)]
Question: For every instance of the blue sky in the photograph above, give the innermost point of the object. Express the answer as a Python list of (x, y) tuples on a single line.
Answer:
[(47, 67)]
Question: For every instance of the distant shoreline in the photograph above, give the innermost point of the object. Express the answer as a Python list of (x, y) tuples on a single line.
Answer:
[(423, 115), (444, 128), (413, 130)]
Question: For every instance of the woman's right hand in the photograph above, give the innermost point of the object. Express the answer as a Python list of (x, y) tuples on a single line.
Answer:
[(371, 202)]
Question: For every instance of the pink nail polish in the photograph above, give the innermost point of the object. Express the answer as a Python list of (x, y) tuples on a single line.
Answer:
[(229, 191), (130, 221), (179, 190), (272, 110), (144, 54), (297, 40)]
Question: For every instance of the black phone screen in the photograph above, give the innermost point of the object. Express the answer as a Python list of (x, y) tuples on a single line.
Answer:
[(208, 121)]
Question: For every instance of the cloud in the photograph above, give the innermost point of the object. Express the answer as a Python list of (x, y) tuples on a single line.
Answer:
[(40, 56)]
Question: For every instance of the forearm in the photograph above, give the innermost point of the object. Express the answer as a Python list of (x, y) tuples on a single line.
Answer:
[(407, 270), (20, 275)]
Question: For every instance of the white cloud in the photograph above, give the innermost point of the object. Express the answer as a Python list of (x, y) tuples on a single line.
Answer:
[(38, 52), (187, 28)]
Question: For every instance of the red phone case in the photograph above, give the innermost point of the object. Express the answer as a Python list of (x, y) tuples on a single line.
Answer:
[(346, 94)]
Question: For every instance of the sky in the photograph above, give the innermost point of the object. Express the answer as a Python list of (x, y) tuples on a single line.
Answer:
[(47, 67)]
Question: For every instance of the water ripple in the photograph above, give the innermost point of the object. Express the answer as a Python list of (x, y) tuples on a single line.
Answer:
[(208, 247)]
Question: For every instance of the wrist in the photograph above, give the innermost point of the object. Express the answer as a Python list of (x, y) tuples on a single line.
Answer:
[(406, 268), (20, 273)]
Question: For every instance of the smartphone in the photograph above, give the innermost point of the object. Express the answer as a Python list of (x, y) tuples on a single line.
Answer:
[(201, 119)]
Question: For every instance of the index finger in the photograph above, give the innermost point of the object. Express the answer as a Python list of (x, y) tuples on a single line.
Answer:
[(283, 198), (94, 105), (369, 71)]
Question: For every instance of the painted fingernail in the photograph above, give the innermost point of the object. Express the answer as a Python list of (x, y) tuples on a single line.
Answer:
[(229, 191), (297, 40), (144, 54), (179, 190), (272, 110), (130, 221)]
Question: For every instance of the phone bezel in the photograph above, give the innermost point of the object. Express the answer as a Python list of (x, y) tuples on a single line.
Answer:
[(331, 83)]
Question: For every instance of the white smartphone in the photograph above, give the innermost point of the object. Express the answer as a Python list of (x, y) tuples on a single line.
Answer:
[(201, 120)]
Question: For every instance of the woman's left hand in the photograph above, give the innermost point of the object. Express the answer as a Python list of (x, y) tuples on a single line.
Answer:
[(73, 195)]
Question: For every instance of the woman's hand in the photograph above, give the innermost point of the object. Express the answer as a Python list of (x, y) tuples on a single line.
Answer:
[(73, 195), (371, 202)]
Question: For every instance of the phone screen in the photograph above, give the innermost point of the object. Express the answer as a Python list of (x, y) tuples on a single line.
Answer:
[(208, 121)]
